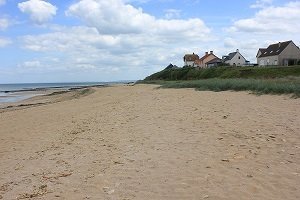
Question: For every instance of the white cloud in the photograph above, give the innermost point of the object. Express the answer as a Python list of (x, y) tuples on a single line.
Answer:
[(2, 2), (4, 23), (39, 11), (117, 17), (83, 48), (272, 20), (4, 42), (119, 42), (32, 64), (172, 13), (262, 3), (230, 42)]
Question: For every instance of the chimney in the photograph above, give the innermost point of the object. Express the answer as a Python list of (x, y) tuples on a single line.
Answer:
[(237, 50), (279, 44), (206, 53), (211, 52)]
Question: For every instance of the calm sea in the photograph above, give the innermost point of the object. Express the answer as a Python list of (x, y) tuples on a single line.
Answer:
[(21, 91)]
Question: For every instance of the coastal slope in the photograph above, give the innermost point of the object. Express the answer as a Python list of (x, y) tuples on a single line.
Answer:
[(140, 142)]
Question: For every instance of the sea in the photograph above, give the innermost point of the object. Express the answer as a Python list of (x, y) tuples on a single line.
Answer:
[(10, 93)]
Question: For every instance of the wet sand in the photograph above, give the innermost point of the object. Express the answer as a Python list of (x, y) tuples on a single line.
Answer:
[(138, 142)]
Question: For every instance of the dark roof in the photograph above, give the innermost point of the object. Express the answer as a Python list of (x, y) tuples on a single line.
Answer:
[(262, 50), (215, 60), (274, 49), (190, 57), (229, 57)]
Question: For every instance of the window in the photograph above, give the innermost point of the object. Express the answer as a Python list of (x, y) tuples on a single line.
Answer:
[(265, 53), (271, 51), (239, 57)]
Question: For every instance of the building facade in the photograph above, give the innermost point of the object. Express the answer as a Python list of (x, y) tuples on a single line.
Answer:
[(282, 54), (189, 59), (202, 62), (235, 59)]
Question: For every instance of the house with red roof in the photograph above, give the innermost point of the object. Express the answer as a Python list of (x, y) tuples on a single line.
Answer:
[(203, 62)]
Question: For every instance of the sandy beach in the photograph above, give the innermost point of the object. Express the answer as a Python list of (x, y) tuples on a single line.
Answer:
[(139, 142)]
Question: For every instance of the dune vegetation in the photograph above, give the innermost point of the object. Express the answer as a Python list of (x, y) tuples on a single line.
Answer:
[(267, 80)]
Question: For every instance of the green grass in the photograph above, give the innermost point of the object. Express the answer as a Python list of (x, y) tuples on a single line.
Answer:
[(189, 73), (260, 80), (259, 86)]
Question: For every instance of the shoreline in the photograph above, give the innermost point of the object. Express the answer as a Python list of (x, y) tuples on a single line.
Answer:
[(12, 93), (51, 88), (140, 142), (48, 97)]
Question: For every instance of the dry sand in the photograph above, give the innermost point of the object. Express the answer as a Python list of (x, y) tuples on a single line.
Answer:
[(138, 142)]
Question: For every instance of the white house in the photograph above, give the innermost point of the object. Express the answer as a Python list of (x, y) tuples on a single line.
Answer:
[(282, 53), (235, 59), (189, 59)]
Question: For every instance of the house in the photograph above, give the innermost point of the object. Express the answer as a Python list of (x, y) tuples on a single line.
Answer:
[(189, 59), (282, 53), (235, 59), (202, 62), (214, 62)]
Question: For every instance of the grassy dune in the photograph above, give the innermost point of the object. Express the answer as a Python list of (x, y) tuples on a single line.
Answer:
[(189, 73), (254, 85), (260, 80)]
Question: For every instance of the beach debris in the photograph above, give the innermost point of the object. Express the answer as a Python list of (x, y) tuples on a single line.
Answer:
[(19, 166), (42, 190), (57, 176), (225, 160), (6, 187), (205, 197), (118, 163), (249, 176), (107, 190), (225, 116)]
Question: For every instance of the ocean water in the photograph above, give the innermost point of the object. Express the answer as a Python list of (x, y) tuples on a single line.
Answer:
[(20, 91)]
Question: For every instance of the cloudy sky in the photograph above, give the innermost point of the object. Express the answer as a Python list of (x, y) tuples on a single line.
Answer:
[(107, 40)]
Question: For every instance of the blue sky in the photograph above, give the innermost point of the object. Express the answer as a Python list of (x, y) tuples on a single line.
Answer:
[(97, 40)]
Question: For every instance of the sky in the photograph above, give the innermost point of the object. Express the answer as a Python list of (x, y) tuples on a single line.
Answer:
[(111, 40)]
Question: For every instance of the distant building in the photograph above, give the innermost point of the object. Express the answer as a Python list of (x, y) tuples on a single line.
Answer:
[(214, 63), (171, 66), (235, 59), (189, 59), (281, 53), (202, 62)]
